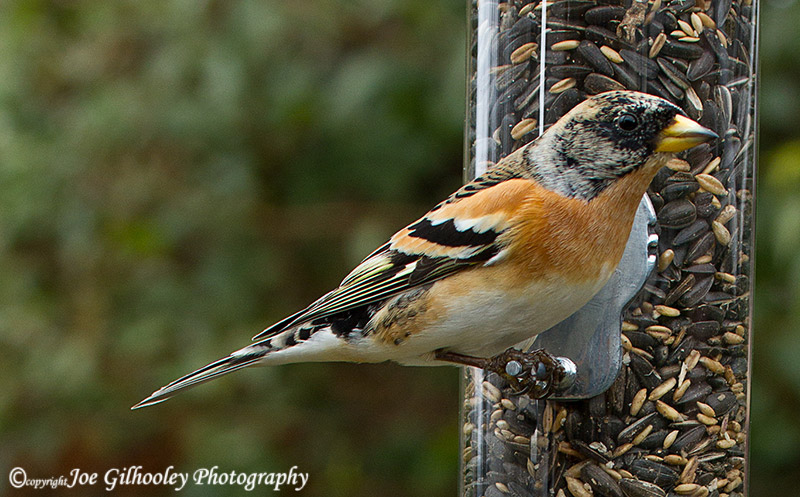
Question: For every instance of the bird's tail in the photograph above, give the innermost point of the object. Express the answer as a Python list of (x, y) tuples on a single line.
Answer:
[(237, 360)]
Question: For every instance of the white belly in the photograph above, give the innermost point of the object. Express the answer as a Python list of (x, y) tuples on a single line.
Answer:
[(486, 322)]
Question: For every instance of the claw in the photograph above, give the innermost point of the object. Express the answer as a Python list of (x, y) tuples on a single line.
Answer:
[(537, 373)]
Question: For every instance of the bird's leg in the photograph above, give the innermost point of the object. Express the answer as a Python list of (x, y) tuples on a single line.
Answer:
[(536, 372), (464, 360)]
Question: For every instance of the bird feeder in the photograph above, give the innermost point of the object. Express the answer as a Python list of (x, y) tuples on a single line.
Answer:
[(656, 398)]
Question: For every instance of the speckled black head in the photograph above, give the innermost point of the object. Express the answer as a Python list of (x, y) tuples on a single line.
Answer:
[(631, 121), (602, 139)]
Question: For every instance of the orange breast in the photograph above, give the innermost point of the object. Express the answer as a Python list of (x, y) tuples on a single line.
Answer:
[(574, 238)]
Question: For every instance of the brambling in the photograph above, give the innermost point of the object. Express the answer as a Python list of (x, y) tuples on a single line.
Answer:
[(505, 257)]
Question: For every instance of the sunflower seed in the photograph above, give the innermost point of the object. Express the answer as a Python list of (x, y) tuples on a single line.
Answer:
[(595, 58), (642, 65), (598, 83), (700, 66), (677, 214), (604, 14), (636, 488), (601, 482)]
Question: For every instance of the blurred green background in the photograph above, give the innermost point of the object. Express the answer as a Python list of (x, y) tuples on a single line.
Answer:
[(176, 175)]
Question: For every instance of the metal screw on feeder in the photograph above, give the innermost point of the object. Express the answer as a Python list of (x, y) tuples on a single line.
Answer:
[(514, 368)]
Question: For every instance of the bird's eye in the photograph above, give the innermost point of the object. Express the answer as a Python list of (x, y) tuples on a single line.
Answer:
[(627, 122)]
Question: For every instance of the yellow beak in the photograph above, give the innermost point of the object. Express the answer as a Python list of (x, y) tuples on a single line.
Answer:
[(683, 133)]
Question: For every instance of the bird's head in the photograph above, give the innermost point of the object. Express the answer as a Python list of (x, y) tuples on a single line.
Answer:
[(608, 136)]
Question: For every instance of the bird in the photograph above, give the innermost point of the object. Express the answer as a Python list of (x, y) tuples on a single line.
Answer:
[(505, 257)]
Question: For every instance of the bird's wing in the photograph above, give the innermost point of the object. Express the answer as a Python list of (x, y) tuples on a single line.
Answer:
[(462, 231)]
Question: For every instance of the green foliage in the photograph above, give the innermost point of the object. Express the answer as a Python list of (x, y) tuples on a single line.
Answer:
[(177, 175)]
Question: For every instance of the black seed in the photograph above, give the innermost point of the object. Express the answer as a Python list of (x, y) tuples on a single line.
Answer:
[(679, 290), (657, 199), (565, 101), (598, 83), (669, 371), (708, 312), (721, 10), (701, 246), (678, 190), (681, 50), (645, 67), (700, 66), (705, 208), (654, 29), (701, 269), (595, 58), (527, 96), (568, 71), (601, 35), (641, 340), (673, 73), (716, 46), (557, 35), (627, 77), (603, 14), (570, 8), (677, 214), (522, 26), (704, 330), (688, 438), (628, 434), (656, 88), (696, 391), (636, 488), (654, 472), (691, 232), (506, 142), (575, 428), (655, 291), (721, 402), (509, 76), (660, 355), (654, 440), (674, 90), (601, 482), (697, 292), (645, 371)]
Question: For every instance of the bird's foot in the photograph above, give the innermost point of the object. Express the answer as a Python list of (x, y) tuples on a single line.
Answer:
[(536, 373)]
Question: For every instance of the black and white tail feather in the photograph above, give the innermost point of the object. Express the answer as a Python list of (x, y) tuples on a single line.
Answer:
[(207, 373), (313, 342)]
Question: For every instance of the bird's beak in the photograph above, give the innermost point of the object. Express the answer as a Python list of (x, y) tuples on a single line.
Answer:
[(683, 133)]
